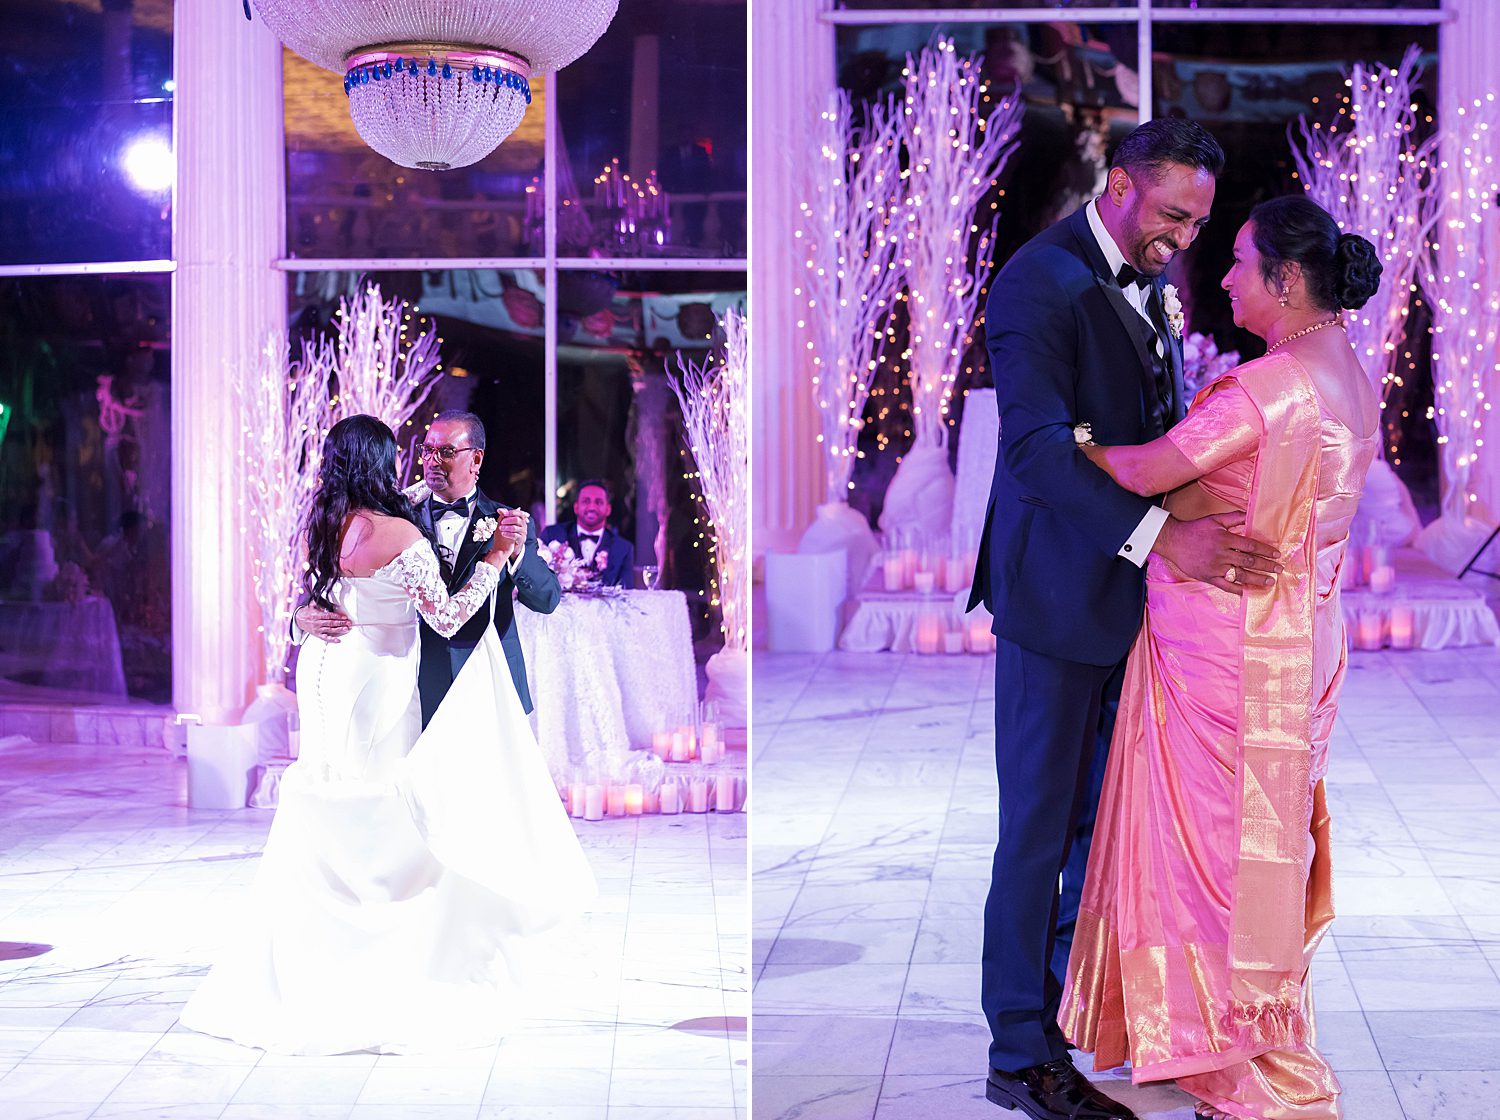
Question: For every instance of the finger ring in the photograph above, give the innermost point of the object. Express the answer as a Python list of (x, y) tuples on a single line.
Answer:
[(1231, 574)]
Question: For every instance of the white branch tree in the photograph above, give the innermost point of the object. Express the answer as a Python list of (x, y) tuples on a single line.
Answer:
[(954, 156), (386, 360), (1370, 171), (1463, 279), (848, 239), (382, 360), (715, 397), (956, 143), (285, 414), (715, 400)]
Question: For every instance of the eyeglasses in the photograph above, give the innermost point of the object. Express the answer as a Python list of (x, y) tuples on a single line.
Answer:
[(446, 453)]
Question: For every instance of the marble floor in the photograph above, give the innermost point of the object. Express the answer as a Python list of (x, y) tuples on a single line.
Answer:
[(112, 895), (874, 826)]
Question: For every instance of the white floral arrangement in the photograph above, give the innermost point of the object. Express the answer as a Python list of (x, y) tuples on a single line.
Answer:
[(484, 529), (1171, 303), (1202, 362), (576, 577)]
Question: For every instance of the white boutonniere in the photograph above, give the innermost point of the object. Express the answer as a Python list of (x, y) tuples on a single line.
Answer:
[(485, 528), (601, 558), (1083, 435), (1172, 305)]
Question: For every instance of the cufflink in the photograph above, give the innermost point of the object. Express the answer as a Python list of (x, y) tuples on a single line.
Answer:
[(1130, 548)]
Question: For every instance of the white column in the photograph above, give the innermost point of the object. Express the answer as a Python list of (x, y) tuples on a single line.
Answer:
[(792, 72), (226, 296)]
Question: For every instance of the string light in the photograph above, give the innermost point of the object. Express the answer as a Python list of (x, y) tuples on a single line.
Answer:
[(1368, 168), (1463, 270), (714, 397), (847, 234), (369, 366), (954, 158)]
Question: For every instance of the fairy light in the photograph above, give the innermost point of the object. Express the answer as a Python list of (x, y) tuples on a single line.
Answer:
[(846, 230), (954, 157), (286, 414), (381, 370), (1370, 170), (1463, 270), (714, 396), (288, 407)]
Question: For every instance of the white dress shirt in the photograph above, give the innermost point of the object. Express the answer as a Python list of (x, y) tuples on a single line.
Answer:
[(1143, 540), (587, 546), (451, 526)]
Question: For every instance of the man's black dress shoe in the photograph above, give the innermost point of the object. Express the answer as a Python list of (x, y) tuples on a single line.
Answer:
[(1054, 1090)]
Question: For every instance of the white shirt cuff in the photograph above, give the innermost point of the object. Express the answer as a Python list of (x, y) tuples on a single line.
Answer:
[(1143, 540), (515, 562)]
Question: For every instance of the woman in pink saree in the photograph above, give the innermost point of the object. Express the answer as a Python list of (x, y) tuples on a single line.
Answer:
[(1208, 886)]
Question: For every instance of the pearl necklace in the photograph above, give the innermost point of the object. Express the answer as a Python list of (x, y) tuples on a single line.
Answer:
[(1336, 321)]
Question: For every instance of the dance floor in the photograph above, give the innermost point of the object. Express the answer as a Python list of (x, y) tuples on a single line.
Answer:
[(112, 893), (874, 828)]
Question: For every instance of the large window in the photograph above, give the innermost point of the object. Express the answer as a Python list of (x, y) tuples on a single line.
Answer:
[(1085, 82), (86, 177), (85, 488), (86, 139)]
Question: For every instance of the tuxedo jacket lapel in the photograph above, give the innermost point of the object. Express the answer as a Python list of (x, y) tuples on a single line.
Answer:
[(1129, 318), (469, 550)]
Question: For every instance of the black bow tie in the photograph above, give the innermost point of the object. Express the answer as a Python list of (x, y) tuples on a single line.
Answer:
[(1127, 276), (460, 507), (590, 537)]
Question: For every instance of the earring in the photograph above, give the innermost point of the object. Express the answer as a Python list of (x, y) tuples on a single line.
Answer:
[(1284, 298)]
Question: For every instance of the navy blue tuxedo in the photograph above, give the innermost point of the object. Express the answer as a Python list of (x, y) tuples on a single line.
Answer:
[(1065, 347), (618, 571), (537, 588)]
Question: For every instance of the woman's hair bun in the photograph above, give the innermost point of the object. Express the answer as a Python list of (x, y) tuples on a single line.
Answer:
[(1356, 271)]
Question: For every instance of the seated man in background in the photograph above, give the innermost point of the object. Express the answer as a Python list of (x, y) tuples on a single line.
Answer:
[(591, 538)]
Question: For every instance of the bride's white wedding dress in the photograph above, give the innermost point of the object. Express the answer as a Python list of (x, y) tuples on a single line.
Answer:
[(403, 866)]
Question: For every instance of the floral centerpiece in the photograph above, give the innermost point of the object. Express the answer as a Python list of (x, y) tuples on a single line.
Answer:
[(1202, 363), (576, 577)]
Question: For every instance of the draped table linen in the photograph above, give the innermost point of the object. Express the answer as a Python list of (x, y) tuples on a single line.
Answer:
[(606, 674)]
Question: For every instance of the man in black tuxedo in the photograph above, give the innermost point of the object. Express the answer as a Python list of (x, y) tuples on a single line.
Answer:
[(1078, 332), (456, 512), (590, 537)]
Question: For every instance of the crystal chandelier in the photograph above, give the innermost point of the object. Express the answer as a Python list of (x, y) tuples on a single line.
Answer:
[(438, 83)]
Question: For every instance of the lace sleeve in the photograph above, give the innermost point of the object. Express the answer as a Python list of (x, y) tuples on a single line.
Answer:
[(416, 570), (417, 493)]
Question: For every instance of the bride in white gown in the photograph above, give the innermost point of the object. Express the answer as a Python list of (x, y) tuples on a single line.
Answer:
[(403, 866)]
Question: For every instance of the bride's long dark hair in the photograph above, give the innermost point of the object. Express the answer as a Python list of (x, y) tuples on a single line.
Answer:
[(359, 473)]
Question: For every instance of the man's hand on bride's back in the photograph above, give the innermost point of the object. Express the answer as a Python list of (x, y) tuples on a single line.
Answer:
[(328, 625), (1213, 549)]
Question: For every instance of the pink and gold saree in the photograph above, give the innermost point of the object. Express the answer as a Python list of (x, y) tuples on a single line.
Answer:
[(1209, 884)]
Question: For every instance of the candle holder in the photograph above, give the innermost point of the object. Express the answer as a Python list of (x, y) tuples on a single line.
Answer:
[(1369, 631), (1403, 625), (671, 798)]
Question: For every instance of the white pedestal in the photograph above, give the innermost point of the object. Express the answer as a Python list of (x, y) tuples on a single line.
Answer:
[(221, 764), (804, 592), (838, 527), (729, 686)]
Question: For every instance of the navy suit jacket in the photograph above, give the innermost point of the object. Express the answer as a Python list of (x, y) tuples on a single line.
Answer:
[(1066, 348), (537, 588), (619, 571)]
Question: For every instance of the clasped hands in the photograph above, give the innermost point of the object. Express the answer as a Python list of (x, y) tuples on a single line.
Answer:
[(507, 541)]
